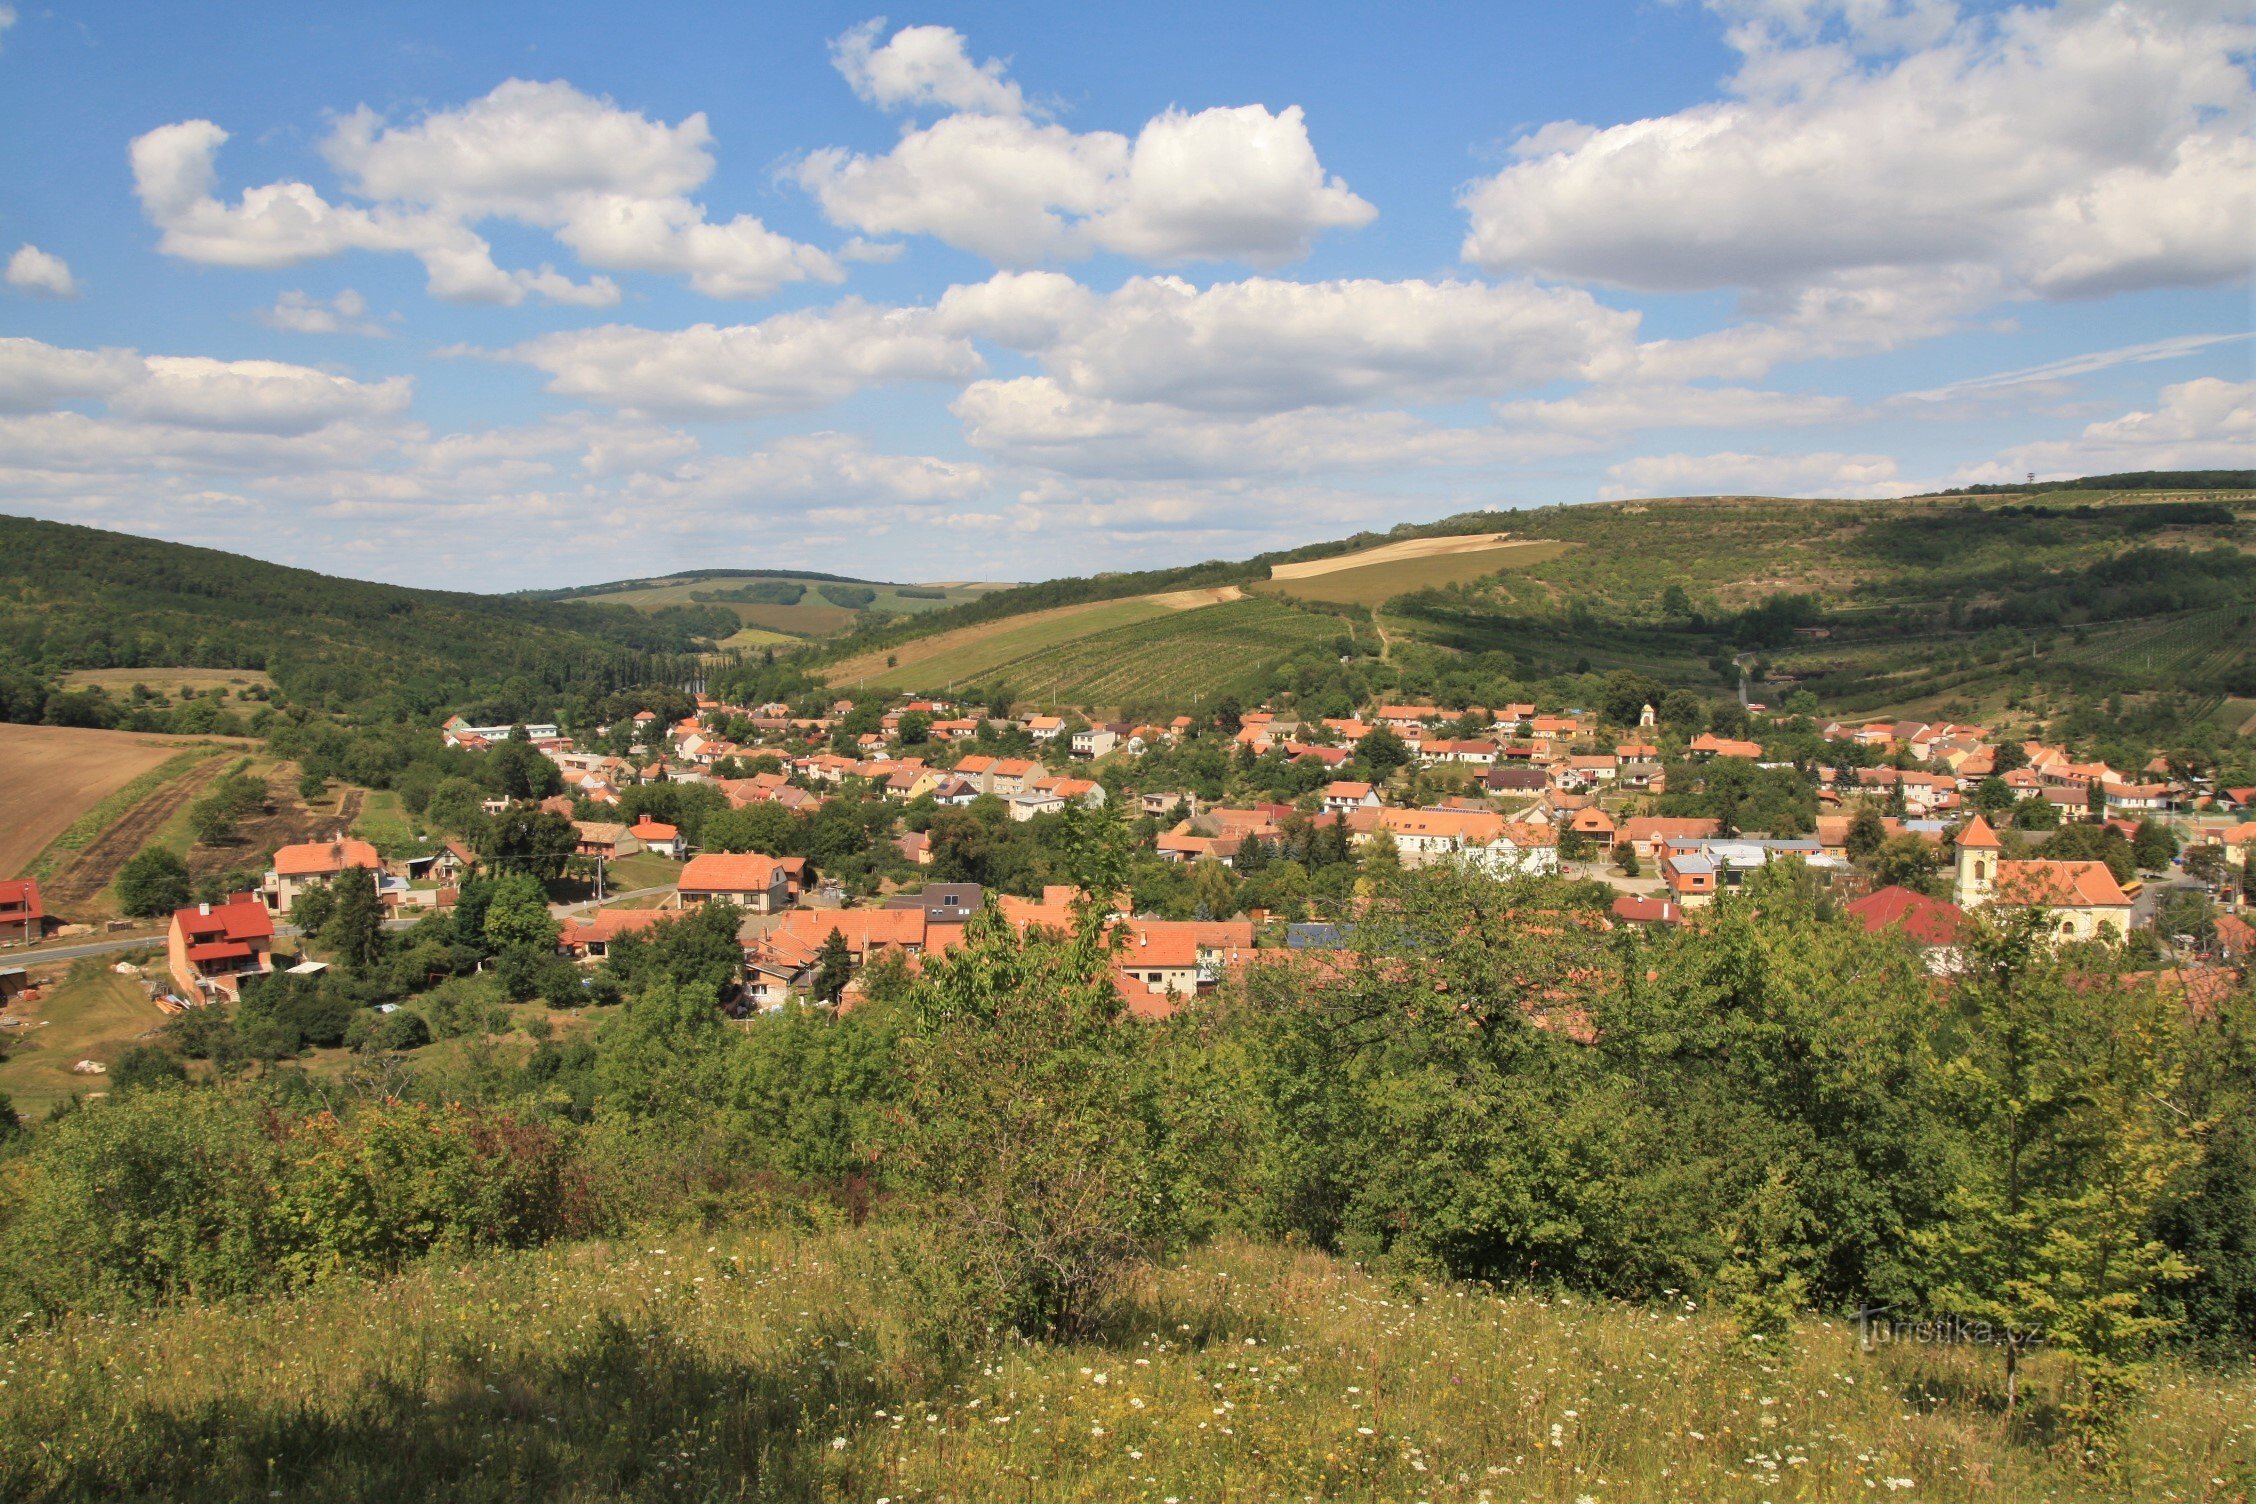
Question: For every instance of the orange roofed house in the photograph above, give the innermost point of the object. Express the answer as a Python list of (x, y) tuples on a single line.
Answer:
[(213, 946), (763, 884), (314, 864)]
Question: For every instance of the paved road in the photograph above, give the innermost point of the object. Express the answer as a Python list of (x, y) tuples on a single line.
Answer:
[(582, 908), (48, 954)]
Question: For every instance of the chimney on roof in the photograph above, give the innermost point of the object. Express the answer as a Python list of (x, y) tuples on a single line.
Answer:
[(204, 909)]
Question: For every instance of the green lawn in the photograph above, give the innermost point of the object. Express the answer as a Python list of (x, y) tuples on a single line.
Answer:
[(95, 1014), (642, 870)]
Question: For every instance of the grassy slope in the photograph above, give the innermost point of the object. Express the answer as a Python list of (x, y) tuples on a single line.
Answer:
[(1597, 596), (811, 616), (95, 1014), (970, 653), (746, 1365)]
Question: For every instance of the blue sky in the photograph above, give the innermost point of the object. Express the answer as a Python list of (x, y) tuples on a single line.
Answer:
[(494, 297)]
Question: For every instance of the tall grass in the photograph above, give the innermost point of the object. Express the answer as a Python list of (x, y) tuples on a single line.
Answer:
[(774, 1366)]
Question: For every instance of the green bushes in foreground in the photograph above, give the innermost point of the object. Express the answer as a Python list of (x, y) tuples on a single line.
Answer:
[(167, 1193), (1773, 1112)]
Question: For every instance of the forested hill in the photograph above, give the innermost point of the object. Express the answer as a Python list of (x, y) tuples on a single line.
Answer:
[(79, 597)]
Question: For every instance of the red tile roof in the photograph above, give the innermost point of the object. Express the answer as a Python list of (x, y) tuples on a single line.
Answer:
[(729, 872), (241, 918), (1926, 920), (22, 894), (2060, 885)]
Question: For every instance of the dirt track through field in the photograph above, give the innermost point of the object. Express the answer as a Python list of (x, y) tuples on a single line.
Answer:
[(98, 865), (50, 776)]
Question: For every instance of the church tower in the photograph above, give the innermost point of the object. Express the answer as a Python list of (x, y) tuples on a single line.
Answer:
[(1978, 853)]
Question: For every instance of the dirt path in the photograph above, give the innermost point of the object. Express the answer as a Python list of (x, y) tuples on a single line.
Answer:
[(98, 864)]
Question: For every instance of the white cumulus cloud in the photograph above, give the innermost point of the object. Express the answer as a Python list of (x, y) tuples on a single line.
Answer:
[(193, 391), (610, 185), (2205, 424), (789, 362), (1823, 474), (302, 313), (34, 271), (1269, 345), (1237, 184), (2065, 152), (922, 65)]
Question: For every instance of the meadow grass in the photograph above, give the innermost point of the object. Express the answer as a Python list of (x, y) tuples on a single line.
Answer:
[(771, 1365), (92, 1013)]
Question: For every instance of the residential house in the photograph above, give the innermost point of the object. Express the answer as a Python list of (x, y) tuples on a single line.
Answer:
[(1522, 779), (1177, 959), (1632, 908), (2236, 940), (2136, 798), (1696, 870), (1160, 803), (942, 903), (605, 839), (1594, 825), (588, 937), (1465, 751), (211, 947), (1707, 744), (23, 915), (1929, 923), (784, 961), (762, 884), (1045, 728), (1096, 741), (1188, 843), (1691, 876), (313, 864), (657, 837), (1347, 794), (1026, 806), (1651, 834)]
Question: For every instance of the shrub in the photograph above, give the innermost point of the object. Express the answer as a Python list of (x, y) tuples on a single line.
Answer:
[(1028, 1130), (146, 1065), (401, 1030)]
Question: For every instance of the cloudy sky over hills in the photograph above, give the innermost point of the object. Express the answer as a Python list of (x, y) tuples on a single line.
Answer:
[(494, 297)]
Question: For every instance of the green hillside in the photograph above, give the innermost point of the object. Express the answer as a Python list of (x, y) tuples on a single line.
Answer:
[(1970, 601), (782, 602), (81, 598), (1131, 656)]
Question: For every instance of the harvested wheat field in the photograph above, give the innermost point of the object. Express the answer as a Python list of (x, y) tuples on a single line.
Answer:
[(1379, 574), (1388, 553), (50, 776)]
